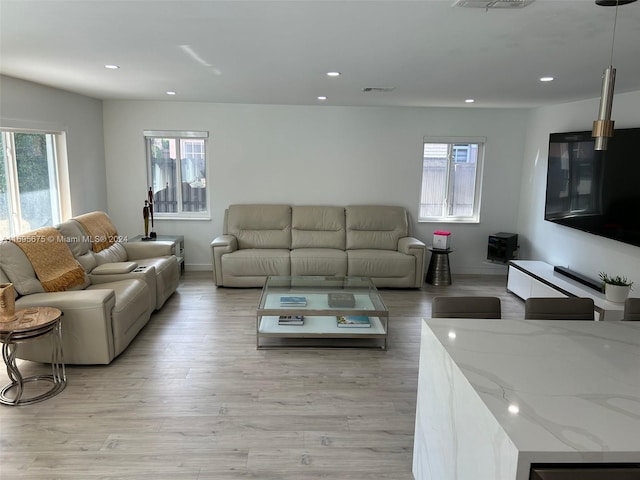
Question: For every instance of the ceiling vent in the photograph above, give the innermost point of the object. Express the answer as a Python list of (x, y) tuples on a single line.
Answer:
[(487, 4), (378, 89)]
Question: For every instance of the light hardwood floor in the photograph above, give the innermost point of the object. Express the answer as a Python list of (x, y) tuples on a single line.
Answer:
[(192, 398)]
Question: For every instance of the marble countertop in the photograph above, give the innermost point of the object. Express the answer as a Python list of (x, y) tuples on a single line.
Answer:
[(554, 386)]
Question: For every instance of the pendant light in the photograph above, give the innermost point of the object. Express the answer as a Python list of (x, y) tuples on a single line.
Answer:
[(603, 126)]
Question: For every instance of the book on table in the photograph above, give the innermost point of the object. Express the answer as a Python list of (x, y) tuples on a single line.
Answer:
[(353, 321), (291, 301), (291, 320), (341, 300)]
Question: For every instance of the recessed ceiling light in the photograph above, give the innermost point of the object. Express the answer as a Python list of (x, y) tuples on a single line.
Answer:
[(546, 79), (333, 74), (112, 67), (469, 100), (378, 89), (322, 97), (170, 92)]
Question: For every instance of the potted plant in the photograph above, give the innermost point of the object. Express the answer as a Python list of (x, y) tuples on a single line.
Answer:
[(616, 289)]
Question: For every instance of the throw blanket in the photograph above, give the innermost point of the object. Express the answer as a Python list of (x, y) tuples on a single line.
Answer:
[(99, 227), (51, 259)]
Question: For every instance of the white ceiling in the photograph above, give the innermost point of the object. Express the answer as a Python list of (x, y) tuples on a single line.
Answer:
[(431, 52)]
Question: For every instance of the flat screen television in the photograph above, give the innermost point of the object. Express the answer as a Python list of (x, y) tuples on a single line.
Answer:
[(595, 191)]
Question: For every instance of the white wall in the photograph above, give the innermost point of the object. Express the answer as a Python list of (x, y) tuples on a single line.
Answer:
[(30, 105), (325, 155), (314, 155), (556, 244)]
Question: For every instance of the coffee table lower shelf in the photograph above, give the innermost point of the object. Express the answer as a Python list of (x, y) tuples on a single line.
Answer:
[(320, 328)]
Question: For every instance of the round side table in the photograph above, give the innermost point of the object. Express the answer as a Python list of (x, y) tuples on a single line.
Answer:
[(29, 324), (439, 272)]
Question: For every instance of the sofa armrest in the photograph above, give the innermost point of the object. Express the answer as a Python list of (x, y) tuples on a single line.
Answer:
[(417, 248), (73, 299), (411, 246), (228, 241), (145, 273), (150, 249), (220, 246), (87, 333), (114, 268)]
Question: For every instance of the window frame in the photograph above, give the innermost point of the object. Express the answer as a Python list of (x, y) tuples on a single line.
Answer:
[(179, 135), (446, 201), (58, 174)]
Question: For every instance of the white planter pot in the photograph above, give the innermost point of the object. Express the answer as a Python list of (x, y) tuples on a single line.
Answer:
[(616, 293)]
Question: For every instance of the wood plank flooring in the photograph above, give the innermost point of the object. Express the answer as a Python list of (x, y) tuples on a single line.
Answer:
[(192, 399)]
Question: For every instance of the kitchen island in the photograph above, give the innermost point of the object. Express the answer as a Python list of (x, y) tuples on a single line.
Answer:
[(498, 396)]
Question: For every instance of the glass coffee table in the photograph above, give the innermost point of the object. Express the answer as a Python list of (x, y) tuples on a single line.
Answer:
[(336, 311)]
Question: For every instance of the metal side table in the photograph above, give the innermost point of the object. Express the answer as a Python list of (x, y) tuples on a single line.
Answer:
[(30, 324), (439, 271)]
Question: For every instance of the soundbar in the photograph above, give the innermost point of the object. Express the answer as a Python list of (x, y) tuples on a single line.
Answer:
[(578, 277)]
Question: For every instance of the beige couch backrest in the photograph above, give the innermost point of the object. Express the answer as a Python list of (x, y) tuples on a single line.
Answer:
[(260, 226), (78, 242), (317, 227), (18, 269), (379, 227)]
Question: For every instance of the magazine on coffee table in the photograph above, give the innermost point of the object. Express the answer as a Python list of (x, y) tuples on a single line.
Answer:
[(291, 301), (291, 320), (353, 321)]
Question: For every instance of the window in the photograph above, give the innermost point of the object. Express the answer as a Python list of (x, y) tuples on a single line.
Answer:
[(177, 173), (30, 184), (451, 180)]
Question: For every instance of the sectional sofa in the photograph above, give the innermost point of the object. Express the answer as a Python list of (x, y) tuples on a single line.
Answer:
[(106, 295), (374, 241)]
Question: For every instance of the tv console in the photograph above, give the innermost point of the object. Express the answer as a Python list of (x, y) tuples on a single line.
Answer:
[(529, 278)]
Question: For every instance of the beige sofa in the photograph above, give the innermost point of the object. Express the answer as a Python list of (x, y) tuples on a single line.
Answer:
[(123, 284), (361, 240)]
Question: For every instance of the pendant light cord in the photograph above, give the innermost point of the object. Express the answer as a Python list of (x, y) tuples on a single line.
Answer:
[(615, 22)]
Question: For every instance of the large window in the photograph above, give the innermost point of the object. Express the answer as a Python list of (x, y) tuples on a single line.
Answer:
[(177, 170), (30, 186), (451, 180)]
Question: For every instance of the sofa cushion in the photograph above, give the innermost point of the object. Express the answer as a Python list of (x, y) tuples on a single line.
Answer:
[(379, 263), (111, 254), (375, 227), (257, 262), (102, 233), (77, 239), (317, 227), (17, 267), (260, 226), (88, 261), (20, 272), (318, 261), (79, 243)]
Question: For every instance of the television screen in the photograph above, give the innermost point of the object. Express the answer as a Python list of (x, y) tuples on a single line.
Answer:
[(595, 191)]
